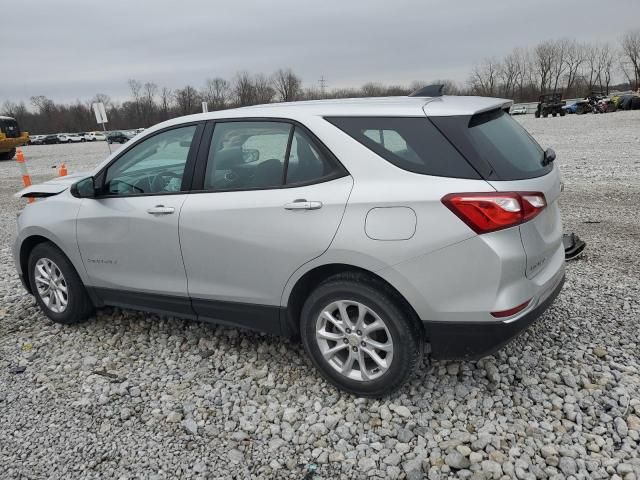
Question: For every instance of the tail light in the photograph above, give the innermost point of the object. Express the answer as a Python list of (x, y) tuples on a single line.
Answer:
[(511, 311), (488, 212)]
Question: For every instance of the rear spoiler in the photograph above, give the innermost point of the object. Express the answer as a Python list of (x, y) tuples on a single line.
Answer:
[(447, 106)]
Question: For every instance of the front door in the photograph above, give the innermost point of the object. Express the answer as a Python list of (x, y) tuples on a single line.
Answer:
[(128, 234)]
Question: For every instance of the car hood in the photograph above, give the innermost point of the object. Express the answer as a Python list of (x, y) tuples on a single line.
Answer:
[(52, 187)]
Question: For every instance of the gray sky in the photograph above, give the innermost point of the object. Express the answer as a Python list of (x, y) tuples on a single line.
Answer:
[(73, 49)]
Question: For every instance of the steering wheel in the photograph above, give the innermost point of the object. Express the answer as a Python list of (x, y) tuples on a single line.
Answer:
[(131, 186), (160, 181)]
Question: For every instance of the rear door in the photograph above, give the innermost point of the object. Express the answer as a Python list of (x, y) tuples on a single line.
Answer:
[(511, 160), (268, 197)]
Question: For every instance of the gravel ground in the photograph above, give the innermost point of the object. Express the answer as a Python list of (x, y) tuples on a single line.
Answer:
[(133, 395)]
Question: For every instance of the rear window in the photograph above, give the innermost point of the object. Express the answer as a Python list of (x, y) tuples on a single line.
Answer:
[(410, 143), (495, 144)]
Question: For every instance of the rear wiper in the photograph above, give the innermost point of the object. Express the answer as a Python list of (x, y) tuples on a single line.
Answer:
[(549, 157)]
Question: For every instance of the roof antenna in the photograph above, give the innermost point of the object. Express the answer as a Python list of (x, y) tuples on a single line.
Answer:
[(428, 91)]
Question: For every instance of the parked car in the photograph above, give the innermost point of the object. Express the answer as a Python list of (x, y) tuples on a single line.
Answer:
[(571, 108), (50, 139), (69, 138), (95, 136), (119, 136), (368, 227), (36, 139), (518, 110)]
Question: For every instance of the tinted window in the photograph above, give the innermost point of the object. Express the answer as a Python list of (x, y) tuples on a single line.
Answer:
[(155, 165), (496, 144), (306, 161), (246, 155), (413, 144)]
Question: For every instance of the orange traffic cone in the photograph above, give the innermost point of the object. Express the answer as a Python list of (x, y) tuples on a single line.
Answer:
[(26, 179), (62, 171)]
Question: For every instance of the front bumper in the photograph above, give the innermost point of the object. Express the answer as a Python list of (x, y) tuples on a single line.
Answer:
[(467, 340), (8, 144)]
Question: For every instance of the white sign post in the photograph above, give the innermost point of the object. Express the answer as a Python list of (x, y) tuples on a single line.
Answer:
[(101, 117), (205, 107)]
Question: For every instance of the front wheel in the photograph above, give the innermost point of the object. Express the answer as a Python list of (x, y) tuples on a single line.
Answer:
[(56, 285), (359, 336), (8, 155)]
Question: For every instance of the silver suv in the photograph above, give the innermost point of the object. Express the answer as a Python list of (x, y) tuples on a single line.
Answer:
[(371, 228)]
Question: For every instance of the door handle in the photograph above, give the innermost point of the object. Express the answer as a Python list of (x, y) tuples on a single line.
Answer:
[(160, 210), (303, 204)]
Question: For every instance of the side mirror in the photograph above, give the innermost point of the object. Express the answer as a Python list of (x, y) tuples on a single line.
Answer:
[(85, 188)]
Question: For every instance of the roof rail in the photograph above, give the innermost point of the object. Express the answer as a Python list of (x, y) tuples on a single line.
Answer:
[(428, 91)]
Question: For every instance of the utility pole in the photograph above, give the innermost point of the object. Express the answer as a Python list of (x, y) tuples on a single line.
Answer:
[(323, 85)]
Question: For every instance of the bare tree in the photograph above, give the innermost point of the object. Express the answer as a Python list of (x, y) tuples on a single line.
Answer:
[(288, 85), (165, 103), (216, 93), (187, 99), (41, 103), (101, 98), (509, 73), (9, 109), (372, 89), (484, 77), (543, 58), (574, 58), (558, 64), (135, 86), (630, 42), (604, 67), (592, 57), (264, 93), (244, 89), (148, 104)]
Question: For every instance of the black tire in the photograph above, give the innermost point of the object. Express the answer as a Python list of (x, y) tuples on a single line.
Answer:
[(405, 332), (537, 114), (8, 155), (79, 306), (563, 113)]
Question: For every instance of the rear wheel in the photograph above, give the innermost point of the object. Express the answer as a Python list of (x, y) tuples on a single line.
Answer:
[(359, 336), (56, 285), (8, 155)]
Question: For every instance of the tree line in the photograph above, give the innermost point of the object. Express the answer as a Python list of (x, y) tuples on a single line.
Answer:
[(561, 65), (575, 69)]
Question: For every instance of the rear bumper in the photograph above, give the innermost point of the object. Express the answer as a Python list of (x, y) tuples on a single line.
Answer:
[(468, 340)]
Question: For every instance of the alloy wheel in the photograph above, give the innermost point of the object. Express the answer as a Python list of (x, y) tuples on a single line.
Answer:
[(51, 285), (354, 340)]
